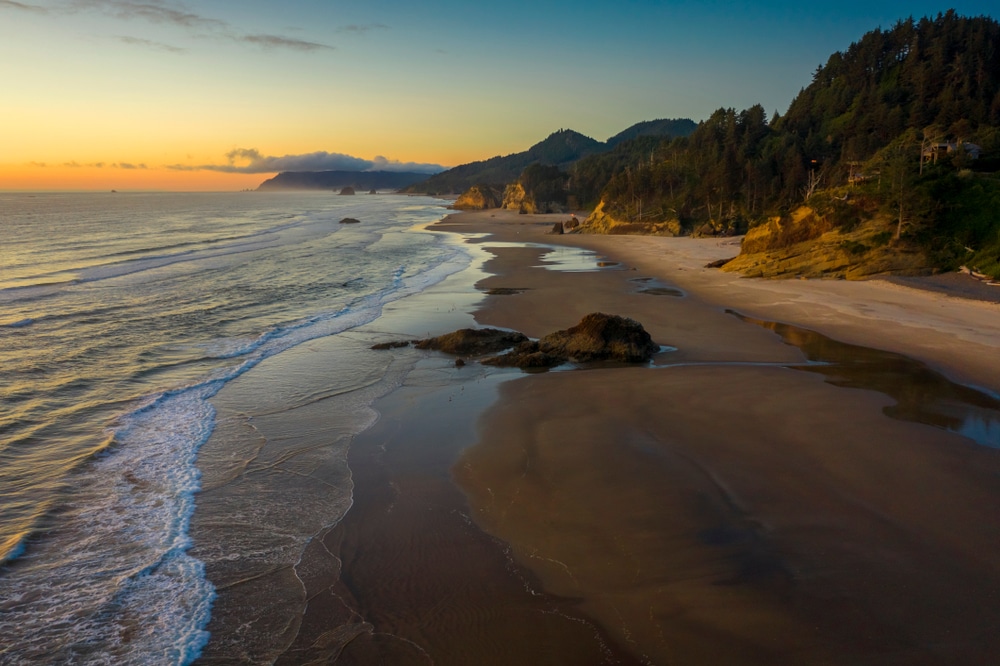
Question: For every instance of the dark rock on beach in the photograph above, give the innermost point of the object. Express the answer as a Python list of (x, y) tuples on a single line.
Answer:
[(506, 291), (718, 263), (350, 220), (598, 337), (347, 190), (391, 345), (527, 356), (473, 341)]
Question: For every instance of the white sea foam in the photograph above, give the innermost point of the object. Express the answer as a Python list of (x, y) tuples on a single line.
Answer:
[(111, 581)]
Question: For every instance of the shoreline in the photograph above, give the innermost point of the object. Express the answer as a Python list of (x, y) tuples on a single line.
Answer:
[(798, 520), (721, 506), (953, 334)]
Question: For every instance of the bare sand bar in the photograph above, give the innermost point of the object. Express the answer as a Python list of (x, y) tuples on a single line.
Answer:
[(730, 507)]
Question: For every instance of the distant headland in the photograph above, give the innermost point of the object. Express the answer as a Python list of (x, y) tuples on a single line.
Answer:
[(338, 180)]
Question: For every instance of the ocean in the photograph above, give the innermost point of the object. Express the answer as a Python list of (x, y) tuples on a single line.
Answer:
[(121, 316)]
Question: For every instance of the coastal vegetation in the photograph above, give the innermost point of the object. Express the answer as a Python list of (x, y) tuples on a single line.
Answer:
[(560, 149), (887, 162)]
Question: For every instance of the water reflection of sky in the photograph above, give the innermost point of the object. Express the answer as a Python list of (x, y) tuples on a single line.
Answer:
[(922, 394), (982, 428), (565, 259)]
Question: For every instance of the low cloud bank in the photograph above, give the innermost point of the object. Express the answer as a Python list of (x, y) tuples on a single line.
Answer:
[(249, 160)]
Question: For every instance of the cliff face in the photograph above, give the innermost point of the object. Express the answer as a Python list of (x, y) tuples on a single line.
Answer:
[(478, 197), (516, 198), (601, 222), (807, 244)]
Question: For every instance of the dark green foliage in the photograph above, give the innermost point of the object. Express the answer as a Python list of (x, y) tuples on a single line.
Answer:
[(966, 227), (663, 128), (855, 248), (871, 112), (592, 174), (987, 260), (881, 238), (728, 171), (562, 149), (543, 183), (940, 76)]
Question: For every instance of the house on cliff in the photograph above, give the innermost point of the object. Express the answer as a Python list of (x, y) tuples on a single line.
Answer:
[(938, 151)]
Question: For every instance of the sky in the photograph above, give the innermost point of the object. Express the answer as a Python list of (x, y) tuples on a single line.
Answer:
[(221, 95)]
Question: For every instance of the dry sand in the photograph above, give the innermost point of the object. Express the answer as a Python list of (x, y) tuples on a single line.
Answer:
[(728, 508)]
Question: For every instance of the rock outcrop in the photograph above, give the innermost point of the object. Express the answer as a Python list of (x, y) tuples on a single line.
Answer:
[(478, 197), (473, 341), (598, 337), (807, 244), (602, 337), (350, 220), (602, 222), (516, 198), (347, 190)]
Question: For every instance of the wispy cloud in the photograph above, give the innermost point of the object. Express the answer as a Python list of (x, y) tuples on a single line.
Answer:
[(250, 160), (147, 43), (278, 42), (362, 29), (76, 165), (127, 165), (20, 6), (160, 12), (153, 12)]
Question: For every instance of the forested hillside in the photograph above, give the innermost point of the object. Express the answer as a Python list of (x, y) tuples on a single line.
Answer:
[(561, 149), (899, 135)]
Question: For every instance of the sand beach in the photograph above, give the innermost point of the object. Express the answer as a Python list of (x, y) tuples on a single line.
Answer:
[(728, 509), (785, 483)]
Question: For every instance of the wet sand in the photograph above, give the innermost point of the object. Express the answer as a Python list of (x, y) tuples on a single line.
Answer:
[(730, 504), (727, 509)]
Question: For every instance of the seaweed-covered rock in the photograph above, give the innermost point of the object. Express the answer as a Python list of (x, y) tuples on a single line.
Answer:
[(395, 344), (474, 341), (526, 356), (350, 220), (600, 337)]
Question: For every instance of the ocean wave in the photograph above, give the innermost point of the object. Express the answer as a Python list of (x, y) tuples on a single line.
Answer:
[(112, 581), (113, 265)]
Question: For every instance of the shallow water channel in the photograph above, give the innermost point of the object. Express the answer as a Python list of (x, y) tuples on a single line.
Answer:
[(922, 395)]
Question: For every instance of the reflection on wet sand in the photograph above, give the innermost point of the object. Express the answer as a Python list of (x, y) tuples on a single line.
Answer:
[(922, 395)]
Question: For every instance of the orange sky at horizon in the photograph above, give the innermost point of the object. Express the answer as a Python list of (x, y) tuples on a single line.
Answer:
[(309, 86), (69, 178)]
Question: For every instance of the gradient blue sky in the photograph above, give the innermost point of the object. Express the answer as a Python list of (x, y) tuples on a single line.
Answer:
[(218, 95)]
